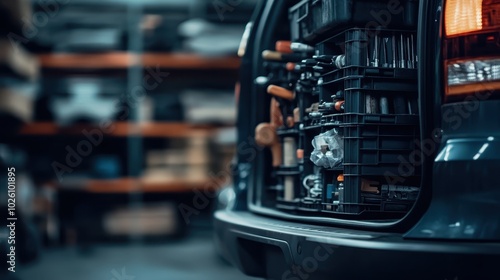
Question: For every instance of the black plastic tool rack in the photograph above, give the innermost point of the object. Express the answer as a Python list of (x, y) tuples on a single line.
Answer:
[(373, 70)]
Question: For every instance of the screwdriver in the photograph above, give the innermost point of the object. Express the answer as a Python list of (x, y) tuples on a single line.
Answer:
[(283, 46), (394, 65), (265, 133), (408, 47), (371, 105), (289, 47), (339, 106), (290, 66), (299, 47), (324, 58), (272, 55), (338, 61), (402, 53), (386, 59), (376, 53)]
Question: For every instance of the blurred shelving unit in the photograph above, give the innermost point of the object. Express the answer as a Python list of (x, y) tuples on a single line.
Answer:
[(107, 48), (123, 60), (126, 185), (190, 61), (123, 129)]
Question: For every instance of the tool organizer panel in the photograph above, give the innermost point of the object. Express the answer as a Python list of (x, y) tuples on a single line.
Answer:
[(344, 118)]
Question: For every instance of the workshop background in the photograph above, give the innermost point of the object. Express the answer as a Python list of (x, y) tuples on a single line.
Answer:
[(118, 117)]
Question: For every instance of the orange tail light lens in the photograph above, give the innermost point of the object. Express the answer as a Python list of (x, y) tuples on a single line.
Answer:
[(467, 16)]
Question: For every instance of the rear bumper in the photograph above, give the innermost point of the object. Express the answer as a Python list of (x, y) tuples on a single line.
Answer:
[(276, 249)]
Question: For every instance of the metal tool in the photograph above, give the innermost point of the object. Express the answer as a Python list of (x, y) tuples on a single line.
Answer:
[(402, 62), (300, 47), (340, 106), (324, 58), (340, 61), (272, 55), (371, 104), (408, 47), (394, 64), (386, 58)]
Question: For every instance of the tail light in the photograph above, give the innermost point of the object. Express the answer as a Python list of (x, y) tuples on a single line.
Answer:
[(471, 47)]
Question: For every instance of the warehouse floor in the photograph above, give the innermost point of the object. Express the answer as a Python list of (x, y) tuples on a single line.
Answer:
[(192, 258)]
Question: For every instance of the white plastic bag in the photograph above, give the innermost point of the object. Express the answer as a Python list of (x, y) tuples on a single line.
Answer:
[(328, 149)]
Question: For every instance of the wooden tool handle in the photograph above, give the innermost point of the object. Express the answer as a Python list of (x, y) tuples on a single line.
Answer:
[(265, 135), (270, 55), (280, 92)]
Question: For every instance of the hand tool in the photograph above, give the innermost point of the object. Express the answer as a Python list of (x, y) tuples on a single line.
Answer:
[(394, 64), (324, 58), (265, 133), (300, 47), (340, 61), (280, 92), (339, 106), (371, 104), (386, 58), (402, 53), (283, 46), (272, 55), (408, 47)]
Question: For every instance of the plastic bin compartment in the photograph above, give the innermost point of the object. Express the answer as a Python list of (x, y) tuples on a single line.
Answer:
[(375, 157), (356, 202), (379, 84), (362, 101), (379, 157), (374, 14), (354, 119), (352, 195), (360, 131), (384, 49), (392, 74), (377, 146), (301, 26), (389, 170)]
